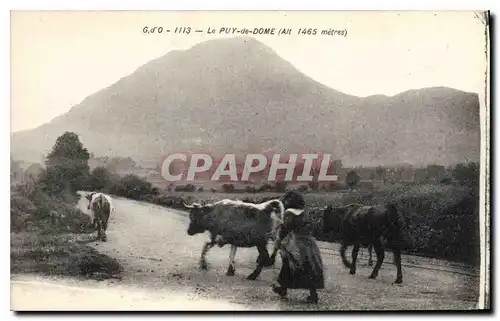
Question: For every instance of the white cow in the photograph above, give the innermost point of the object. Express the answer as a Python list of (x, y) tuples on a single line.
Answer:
[(101, 207)]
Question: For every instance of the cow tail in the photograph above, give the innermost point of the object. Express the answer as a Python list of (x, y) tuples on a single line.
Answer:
[(346, 262), (394, 226), (282, 211)]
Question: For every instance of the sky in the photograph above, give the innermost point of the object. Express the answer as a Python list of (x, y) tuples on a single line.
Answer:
[(60, 58)]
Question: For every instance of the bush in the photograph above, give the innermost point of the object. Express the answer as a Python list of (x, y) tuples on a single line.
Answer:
[(186, 188), (439, 220), (250, 189), (335, 186), (303, 189), (33, 209), (264, 188), (132, 186), (352, 179), (313, 185), (280, 187), (228, 188), (101, 179)]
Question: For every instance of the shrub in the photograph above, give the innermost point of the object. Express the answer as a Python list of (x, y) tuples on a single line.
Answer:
[(280, 187), (186, 188), (264, 188), (101, 179), (132, 186), (352, 179), (303, 189), (250, 189), (32, 208), (438, 220), (228, 188), (313, 185)]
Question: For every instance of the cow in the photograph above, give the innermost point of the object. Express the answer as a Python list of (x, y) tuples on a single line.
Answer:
[(358, 225), (101, 208), (239, 224)]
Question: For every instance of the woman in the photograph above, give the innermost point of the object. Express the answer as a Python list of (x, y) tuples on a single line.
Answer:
[(302, 264)]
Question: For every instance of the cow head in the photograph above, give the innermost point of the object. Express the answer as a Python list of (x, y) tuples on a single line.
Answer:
[(89, 198), (196, 215), (293, 200), (332, 219), (276, 210)]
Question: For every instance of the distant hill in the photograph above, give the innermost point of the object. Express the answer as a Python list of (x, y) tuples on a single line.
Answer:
[(239, 95)]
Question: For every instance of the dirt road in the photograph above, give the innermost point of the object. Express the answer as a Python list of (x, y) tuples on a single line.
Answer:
[(161, 273)]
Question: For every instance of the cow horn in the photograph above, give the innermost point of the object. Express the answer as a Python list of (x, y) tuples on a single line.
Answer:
[(295, 211), (187, 206)]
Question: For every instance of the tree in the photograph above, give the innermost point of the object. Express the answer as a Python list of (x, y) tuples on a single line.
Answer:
[(352, 179), (67, 164)]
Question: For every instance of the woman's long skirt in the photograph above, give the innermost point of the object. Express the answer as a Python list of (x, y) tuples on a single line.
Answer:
[(302, 264)]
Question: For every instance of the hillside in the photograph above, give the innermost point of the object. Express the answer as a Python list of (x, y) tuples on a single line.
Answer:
[(238, 94)]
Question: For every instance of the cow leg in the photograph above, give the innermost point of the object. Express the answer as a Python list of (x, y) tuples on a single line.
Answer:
[(102, 229), (277, 245), (262, 253), (105, 223), (207, 246), (101, 235), (98, 228), (397, 261), (265, 259), (370, 257), (379, 250), (355, 251), (272, 258), (232, 255)]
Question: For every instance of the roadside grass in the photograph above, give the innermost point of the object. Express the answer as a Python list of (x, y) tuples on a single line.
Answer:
[(49, 236), (59, 254)]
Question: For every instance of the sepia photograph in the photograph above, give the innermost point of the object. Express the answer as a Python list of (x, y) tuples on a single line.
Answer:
[(250, 160)]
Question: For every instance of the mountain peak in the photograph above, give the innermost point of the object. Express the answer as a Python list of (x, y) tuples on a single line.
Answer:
[(236, 95)]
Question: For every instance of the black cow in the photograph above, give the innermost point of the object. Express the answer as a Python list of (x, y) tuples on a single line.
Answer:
[(365, 225)]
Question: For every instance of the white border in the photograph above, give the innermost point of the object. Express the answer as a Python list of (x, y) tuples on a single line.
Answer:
[(191, 5)]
